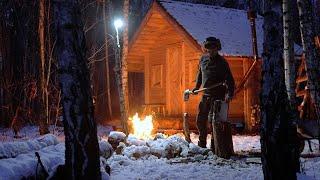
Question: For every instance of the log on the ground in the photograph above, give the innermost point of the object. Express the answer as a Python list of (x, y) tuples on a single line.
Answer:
[(223, 146), (115, 138)]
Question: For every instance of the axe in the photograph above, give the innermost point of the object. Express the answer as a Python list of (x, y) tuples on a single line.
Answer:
[(186, 93)]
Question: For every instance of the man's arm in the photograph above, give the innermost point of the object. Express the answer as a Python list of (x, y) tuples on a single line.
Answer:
[(199, 78)]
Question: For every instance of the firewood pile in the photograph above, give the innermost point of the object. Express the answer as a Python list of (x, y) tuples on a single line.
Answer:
[(160, 146)]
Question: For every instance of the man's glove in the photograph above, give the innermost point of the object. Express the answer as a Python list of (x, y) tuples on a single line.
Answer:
[(194, 89), (228, 98)]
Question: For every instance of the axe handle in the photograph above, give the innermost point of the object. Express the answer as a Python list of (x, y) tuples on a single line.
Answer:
[(200, 90), (213, 86)]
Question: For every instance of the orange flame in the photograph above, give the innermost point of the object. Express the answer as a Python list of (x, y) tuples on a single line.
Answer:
[(142, 129)]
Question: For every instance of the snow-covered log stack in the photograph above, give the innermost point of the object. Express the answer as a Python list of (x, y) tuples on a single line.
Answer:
[(24, 165), (160, 146), (13, 149), (105, 148), (115, 138)]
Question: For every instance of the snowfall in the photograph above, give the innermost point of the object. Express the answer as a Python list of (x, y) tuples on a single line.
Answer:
[(163, 157)]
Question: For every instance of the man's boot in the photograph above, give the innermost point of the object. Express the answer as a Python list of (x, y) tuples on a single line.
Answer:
[(202, 144), (212, 145)]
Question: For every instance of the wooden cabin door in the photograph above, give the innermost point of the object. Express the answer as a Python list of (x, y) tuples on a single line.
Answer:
[(136, 92), (174, 81)]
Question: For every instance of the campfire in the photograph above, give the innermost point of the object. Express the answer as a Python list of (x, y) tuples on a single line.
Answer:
[(142, 128)]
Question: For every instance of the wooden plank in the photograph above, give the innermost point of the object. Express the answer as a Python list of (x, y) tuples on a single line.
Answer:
[(133, 67), (157, 93), (147, 78), (302, 93), (145, 43), (174, 78), (183, 71), (137, 52), (157, 15), (157, 23), (193, 71), (234, 62), (301, 79), (250, 94), (148, 36), (136, 59)]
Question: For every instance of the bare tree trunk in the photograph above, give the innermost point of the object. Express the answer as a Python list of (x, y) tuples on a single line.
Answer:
[(279, 143), (310, 50), (124, 60), (288, 52), (123, 112), (105, 17), (122, 72), (82, 149), (43, 118)]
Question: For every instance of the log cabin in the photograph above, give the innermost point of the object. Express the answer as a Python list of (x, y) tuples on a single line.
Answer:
[(164, 54)]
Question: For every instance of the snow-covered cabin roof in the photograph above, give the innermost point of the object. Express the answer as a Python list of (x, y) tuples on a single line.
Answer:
[(231, 26)]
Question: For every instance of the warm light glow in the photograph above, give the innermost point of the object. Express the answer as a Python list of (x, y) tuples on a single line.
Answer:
[(118, 23), (142, 128)]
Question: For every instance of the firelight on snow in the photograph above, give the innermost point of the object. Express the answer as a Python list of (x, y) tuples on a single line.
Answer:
[(142, 128)]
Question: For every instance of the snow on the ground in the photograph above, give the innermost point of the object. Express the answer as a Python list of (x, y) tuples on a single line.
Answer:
[(240, 142), (163, 158), (174, 158), (123, 167), (311, 167)]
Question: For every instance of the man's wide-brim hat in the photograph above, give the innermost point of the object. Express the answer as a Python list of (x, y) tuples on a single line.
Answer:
[(212, 42)]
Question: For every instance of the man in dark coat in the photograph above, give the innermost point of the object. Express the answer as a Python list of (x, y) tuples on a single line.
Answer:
[(213, 69)]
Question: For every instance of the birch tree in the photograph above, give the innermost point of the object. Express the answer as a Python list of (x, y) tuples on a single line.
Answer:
[(280, 158), (288, 52), (311, 55), (82, 149), (124, 62), (121, 71)]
